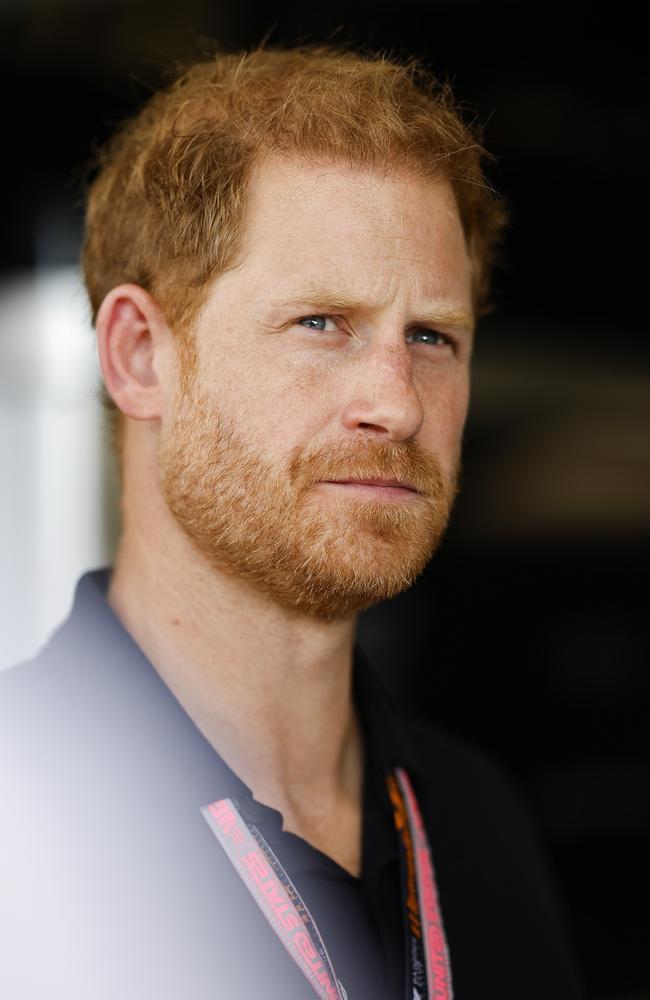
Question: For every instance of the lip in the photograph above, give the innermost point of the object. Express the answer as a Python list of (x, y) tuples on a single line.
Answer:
[(381, 483)]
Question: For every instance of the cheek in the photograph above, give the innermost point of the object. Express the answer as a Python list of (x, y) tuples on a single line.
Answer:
[(269, 400), (445, 414)]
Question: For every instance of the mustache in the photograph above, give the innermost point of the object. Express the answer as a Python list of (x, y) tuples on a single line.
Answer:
[(404, 461)]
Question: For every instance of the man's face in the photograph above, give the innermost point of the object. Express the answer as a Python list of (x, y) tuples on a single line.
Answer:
[(337, 349)]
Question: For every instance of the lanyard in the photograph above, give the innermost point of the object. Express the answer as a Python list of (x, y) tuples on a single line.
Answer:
[(428, 972)]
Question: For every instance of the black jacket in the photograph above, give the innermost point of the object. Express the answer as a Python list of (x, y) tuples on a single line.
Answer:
[(112, 886)]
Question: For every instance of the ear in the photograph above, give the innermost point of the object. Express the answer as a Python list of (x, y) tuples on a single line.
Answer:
[(135, 346)]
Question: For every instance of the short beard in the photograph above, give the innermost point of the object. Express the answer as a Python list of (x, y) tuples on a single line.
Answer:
[(316, 557)]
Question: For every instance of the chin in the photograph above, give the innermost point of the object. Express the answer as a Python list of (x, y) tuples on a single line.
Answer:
[(343, 588)]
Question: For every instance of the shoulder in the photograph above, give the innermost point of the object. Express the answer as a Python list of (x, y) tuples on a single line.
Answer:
[(34, 683), (495, 874), (483, 800), (461, 767), (50, 707), (478, 811), (440, 749), (44, 676), (38, 735), (27, 697), (482, 822), (45, 699)]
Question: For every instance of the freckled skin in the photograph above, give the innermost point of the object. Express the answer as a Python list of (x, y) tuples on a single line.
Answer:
[(393, 242), (276, 406)]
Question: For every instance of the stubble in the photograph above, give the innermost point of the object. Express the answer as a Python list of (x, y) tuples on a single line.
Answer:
[(272, 526)]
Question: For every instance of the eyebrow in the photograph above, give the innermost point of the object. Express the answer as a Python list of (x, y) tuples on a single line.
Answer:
[(321, 297)]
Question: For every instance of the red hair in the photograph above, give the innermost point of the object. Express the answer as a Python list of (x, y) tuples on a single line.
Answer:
[(166, 206)]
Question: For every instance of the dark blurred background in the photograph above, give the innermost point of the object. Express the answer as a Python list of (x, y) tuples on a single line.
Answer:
[(527, 634)]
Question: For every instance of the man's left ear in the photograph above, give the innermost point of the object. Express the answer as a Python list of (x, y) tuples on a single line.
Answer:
[(135, 350)]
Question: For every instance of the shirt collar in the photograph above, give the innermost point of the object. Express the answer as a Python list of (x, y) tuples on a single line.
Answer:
[(137, 721), (105, 667), (386, 739)]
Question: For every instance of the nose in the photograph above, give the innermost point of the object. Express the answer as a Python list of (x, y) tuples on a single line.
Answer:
[(384, 397)]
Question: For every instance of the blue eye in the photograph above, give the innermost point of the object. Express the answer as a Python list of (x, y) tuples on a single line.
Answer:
[(433, 337), (314, 322)]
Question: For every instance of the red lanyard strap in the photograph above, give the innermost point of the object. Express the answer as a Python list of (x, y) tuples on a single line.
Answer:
[(429, 968), (275, 894), (428, 972)]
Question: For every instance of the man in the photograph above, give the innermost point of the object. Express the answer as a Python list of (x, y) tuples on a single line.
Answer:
[(207, 792)]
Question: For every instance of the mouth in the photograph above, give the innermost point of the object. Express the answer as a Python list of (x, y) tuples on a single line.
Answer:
[(387, 487)]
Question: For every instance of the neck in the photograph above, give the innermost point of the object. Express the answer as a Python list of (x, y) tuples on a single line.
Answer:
[(271, 692)]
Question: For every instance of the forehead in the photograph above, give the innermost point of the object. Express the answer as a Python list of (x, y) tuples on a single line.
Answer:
[(317, 220)]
